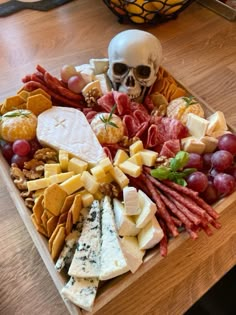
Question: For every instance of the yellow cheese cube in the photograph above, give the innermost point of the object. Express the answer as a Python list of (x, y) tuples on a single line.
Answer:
[(76, 165), (131, 169), (121, 179), (51, 169), (148, 157), (136, 159), (106, 179), (98, 172), (106, 164), (59, 178), (135, 147), (37, 184), (72, 184), (210, 143), (120, 157), (89, 182), (63, 157), (87, 199), (193, 145)]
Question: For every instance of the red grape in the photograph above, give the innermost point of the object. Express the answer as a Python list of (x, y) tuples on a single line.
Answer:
[(19, 160), (21, 147), (228, 142), (210, 194), (224, 183), (35, 145), (7, 151), (207, 160), (197, 181), (221, 160), (231, 171), (76, 83), (195, 161)]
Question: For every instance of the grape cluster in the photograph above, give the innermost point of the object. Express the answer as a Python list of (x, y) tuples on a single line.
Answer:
[(216, 172), (74, 80), (19, 151)]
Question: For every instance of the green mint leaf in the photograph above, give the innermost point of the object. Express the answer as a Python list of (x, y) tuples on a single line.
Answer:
[(179, 161), (161, 172)]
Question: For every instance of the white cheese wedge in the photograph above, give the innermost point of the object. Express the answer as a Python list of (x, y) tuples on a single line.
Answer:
[(193, 145), (150, 235), (113, 262), (105, 83), (99, 65), (216, 122), (124, 223), (86, 71), (68, 129), (210, 143), (148, 210), (133, 254), (219, 133), (131, 201), (86, 260), (81, 292), (196, 125)]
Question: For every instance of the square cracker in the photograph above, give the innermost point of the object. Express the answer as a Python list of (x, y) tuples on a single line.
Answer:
[(54, 198)]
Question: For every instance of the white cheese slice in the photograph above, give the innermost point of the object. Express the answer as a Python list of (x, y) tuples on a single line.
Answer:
[(210, 143), (131, 201), (216, 122), (86, 71), (113, 262), (86, 260), (133, 254), (148, 210), (68, 129), (196, 125), (105, 83), (99, 65), (124, 223), (150, 235), (81, 292)]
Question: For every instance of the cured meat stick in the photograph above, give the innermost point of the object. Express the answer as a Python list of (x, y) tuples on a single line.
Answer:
[(182, 199), (172, 207), (164, 240), (160, 205), (33, 85), (195, 196), (191, 216)]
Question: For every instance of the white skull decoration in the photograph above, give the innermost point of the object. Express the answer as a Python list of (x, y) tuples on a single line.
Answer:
[(134, 59)]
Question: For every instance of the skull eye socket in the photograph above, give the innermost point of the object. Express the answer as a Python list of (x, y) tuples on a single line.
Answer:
[(143, 72), (120, 68)]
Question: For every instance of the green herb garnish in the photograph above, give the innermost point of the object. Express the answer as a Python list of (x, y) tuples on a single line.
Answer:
[(17, 113), (175, 171), (107, 121), (189, 100)]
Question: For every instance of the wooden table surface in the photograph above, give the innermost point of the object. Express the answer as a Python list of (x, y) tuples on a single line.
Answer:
[(200, 50)]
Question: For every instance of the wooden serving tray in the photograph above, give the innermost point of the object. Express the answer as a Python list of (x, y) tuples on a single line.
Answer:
[(190, 268)]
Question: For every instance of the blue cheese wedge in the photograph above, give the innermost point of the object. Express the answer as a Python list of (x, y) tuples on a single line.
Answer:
[(124, 223), (113, 262), (81, 292), (64, 128), (71, 240), (86, 260)]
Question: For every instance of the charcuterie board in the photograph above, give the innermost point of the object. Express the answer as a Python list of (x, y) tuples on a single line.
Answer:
[(146, 275)]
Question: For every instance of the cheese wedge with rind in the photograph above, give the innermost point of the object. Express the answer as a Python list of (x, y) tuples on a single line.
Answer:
[(64, 128), (150, 235)]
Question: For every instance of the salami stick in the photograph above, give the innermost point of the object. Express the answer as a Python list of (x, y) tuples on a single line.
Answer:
[(191, 216), (32, 85), (172, 207), (160, 206), (164, 240), (195, 197), (182, 199)]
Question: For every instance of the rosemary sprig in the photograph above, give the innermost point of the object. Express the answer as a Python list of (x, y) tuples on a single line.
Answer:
[(190, 100), (107, 121), (16, 113)]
